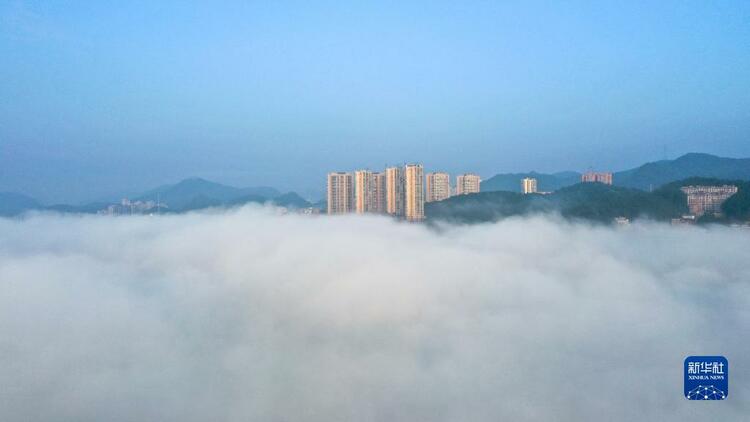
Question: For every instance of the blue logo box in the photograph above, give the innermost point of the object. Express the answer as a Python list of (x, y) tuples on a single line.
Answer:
[(706, 378)]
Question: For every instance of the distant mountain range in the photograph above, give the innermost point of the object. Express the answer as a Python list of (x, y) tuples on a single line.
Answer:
[(646, 177), (652, 175), (187, 195), (196, 193), (191, 193)]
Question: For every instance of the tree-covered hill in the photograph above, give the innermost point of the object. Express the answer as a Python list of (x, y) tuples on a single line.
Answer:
[(587, 201), (511, 182)]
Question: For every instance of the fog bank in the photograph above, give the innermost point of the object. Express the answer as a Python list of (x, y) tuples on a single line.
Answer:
[(251, 315)]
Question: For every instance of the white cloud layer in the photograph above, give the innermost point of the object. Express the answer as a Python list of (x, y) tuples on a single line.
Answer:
[(252, 316)]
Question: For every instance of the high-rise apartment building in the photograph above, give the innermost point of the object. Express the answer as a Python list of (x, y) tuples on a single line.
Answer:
[(438, 186), (707, 199), (394, 191), (363, 191), (528, 185), (467, 183), (601, 177), (369, 192), (414, 192), (340, 193), (379, 193)]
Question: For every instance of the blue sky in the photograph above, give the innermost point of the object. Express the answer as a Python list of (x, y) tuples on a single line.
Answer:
[(101, 99)]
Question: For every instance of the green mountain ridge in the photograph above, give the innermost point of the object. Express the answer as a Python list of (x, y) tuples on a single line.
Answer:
[(648, 176)]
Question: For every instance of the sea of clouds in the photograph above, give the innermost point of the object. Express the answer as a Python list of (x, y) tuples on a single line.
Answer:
[(249, 315)]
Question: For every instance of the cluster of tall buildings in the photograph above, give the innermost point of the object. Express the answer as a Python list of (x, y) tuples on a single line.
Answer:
[(399, 191), (402, 192)]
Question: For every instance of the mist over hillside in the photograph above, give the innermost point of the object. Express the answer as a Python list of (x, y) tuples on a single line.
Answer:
[(184, 194), (249, 315), (187, 195)]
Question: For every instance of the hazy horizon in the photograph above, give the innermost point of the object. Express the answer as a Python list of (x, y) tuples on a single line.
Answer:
[(313, 194), (107, 99)]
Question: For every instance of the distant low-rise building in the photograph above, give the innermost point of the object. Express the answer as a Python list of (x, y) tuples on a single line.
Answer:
[(684, 220), (622, 221), (128, 207), (707, 199), (528, 185), (600, 177)]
